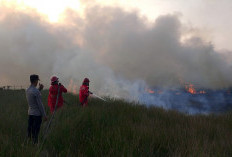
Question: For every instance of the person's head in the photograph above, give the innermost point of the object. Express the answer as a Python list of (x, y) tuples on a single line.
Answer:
[(86, 82), (54, 80), (34, 79)]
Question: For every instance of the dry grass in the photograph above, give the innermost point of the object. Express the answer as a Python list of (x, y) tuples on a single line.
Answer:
[(115, 128)]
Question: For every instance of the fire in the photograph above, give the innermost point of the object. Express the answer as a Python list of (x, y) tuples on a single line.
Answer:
[(190, 88), (72, 87), (202, 92), (75, 89), (150, 91)]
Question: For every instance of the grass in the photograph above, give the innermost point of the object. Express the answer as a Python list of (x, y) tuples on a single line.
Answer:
[(113, 128)]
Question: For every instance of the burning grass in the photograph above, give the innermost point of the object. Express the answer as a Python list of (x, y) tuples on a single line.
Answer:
[(115, 128)]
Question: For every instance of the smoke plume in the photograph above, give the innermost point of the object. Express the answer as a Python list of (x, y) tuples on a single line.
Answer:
[(120, 51)]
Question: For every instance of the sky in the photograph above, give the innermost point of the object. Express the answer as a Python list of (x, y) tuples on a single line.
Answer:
[(123, 44), (209, 18)]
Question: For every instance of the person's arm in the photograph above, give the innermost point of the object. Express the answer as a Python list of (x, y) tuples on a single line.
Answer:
[(40, 104), (41, 86), (64, 90)]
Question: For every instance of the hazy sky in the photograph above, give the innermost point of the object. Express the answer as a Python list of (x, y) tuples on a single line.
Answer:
[(211, 17)]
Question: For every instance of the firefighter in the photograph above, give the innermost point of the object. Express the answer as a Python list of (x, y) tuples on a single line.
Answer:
[(53, 92), (84, 92)]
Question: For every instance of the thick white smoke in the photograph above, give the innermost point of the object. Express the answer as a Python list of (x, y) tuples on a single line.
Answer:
[(117, 50)]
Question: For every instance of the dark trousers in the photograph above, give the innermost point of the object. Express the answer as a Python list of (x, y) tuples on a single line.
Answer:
[(34, 123)]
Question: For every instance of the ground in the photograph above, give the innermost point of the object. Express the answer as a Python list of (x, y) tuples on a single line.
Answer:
[(113, 128)]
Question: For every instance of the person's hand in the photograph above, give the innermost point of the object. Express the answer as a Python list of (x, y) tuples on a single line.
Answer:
[(41, 86), (45, 118), (90, 92)]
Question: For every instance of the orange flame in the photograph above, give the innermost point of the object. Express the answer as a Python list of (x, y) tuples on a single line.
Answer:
[(153, 91), (75, 89), (202, 92), (150, 91), (72, 87), (190, 88)]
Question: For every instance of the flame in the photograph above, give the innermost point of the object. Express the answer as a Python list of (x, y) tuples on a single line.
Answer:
[(202, 92), (75, 89), (190, 88), (72, 87), (150, 91)]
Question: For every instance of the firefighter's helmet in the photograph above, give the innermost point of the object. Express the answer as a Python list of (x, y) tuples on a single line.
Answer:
[(86, 80), (54, 79)]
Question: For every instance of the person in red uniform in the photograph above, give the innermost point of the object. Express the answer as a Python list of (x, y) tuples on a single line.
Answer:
[(84, 92), (53, 92)]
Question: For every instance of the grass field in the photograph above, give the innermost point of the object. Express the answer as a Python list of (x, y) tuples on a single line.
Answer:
[(114, 128)]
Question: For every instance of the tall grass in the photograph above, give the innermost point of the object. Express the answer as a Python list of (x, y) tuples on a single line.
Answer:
[(113, 128)]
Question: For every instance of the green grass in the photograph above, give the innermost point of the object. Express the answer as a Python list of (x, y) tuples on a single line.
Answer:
[(114, 128)]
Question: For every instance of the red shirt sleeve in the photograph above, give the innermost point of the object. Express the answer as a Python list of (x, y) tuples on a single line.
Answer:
[(63, 89)]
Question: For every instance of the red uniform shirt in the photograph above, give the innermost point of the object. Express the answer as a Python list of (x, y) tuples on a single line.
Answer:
[(83, 94), (53, 91)]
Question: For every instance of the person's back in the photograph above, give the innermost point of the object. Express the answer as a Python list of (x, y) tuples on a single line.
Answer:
[(53, 92), (84, 92)]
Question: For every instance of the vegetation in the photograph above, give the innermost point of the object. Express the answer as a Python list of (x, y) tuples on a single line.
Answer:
[(113, 128)]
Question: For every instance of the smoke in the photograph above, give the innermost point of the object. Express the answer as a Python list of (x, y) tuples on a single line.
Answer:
[(154, 54), (118, 50)]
